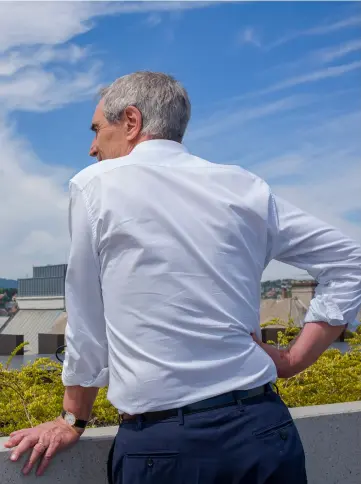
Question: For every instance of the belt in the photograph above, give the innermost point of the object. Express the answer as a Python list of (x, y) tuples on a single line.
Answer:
[(224, 400)]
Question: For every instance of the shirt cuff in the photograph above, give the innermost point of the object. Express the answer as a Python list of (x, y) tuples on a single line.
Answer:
[(73, 379), (323, 308)]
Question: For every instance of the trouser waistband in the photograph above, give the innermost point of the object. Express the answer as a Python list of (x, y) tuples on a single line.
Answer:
[(224, 400)]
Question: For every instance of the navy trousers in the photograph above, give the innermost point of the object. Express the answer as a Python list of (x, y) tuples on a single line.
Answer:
[(254, 442)]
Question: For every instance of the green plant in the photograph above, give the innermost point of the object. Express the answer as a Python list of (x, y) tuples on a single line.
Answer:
[(334, 378), (285, 337), (34, 393)]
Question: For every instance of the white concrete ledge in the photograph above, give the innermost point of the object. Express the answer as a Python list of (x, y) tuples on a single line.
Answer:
[(319, 410), (331, 435)]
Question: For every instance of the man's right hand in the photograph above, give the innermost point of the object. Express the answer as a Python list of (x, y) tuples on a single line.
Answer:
[(281, 358), (46, 440), (313, 340)]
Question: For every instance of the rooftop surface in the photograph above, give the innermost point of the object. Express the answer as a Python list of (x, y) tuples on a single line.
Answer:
[(31, 322)]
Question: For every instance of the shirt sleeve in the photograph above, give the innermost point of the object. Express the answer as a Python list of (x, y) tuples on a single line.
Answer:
[(86, 358), (334, 260)]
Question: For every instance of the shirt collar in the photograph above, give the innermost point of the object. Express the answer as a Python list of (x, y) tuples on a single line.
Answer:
[(160, 144)]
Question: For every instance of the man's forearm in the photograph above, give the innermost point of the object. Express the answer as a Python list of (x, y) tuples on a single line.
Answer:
[(313, 340), (79, 401)]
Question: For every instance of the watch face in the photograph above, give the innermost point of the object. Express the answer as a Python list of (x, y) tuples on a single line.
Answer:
[(69, 418)]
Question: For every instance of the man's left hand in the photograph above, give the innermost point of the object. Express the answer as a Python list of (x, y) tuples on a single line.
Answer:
[(46, 440)]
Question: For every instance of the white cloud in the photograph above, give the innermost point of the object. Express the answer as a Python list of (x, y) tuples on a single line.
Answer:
[(324, 55), (225, 120), (333, 27), (328, 201), (327, 197), (35, 34), (44, 23), (40, 90), (153, 20), (285, 165), (248, 36), (319, 30), (53, 23), (32, 35), (305, 78), (35, 54), (13, 61), (34, 216), (327, 174), (328, 72), (329, 54)]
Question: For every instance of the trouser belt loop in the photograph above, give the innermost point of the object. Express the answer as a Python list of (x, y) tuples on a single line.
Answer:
[(181, 416), (238, 401), (236, 398), (139, 422), (276, 387)]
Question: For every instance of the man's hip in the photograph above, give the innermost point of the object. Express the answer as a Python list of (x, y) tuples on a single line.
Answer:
[(250, 441)]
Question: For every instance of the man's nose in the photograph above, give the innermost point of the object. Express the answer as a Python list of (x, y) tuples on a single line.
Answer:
[(93, 149)]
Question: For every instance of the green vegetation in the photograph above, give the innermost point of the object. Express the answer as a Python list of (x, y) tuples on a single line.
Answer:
[(34, 393), (334, 378)]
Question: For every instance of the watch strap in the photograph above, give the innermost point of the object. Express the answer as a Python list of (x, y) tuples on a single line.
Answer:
[(81, 424)]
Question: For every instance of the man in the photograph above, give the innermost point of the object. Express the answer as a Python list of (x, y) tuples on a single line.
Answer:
[(163, 291)]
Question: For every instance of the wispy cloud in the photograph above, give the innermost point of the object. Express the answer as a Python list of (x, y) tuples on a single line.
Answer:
[(153, 20), (52, 23), (329, 54), (128, 6), (328, 72), (333, 27), (225, 120), (309, 77), (17, 59), (248, 36), (285, 165), (319, 30), (39, 90), (32, 36)]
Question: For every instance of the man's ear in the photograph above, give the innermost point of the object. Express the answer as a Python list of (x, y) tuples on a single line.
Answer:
[(133, 122)]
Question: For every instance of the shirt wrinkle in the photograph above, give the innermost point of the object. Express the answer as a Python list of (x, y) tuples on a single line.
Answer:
[(163, 282)]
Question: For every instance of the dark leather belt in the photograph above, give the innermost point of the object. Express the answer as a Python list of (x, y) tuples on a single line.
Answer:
[(224, 400)]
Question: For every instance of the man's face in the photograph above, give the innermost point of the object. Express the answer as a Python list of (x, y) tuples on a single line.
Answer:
[(110, 140)]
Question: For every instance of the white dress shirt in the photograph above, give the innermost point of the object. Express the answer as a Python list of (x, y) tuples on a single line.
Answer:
[(163, 283)]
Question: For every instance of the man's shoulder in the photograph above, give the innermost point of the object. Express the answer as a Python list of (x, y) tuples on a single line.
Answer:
[(237, 171), (88, 174)]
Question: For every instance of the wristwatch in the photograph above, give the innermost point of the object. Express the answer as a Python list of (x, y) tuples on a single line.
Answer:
[(71, 420)]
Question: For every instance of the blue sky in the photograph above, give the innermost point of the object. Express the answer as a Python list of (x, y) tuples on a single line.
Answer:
[(275, 88)]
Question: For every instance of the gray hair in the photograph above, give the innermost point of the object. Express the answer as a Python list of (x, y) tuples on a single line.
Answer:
[(162, 101)]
